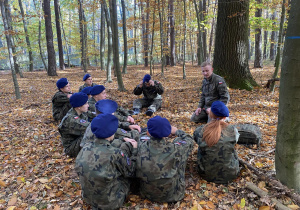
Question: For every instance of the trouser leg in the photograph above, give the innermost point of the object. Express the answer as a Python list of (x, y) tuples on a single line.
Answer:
[(202, 117), (139, 103), (155, 105), (74, 148)]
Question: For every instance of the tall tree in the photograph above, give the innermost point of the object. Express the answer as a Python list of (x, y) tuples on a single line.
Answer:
[(115, 38), (231, 44), (184, 40), (203, 16), (287, 153), (27, 37), (82, 28), (58, 34), (109, 41), (199, 37), (161, 31), (258, 53), (273, 37), (65, 38), (145, 30), (49, 38), (124, 71), (134, 33), (266, 33), (8, 36), (172, 33), (152, 40), (102, 37)]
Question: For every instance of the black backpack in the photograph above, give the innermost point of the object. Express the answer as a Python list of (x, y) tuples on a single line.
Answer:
[(249, 134)]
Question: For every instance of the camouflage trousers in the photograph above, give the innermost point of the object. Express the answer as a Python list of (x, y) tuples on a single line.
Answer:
[(74, 148), (202, 117), (133, 134), (153, 104)]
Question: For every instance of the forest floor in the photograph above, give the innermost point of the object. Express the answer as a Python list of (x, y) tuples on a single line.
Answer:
[(35, 174)]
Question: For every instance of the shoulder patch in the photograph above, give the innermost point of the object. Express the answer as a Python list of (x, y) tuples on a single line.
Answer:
[(82, 121), (123, 131), (122, 154), (128, 161), (220, 83), (177, 143), (76, 117)]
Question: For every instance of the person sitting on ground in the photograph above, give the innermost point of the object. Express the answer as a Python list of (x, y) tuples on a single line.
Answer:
[(87, 90), (87, 78), (61, 99), (98, 93), (104, 170), (217, 159), (161, 164), (74, 124), (213, 88), (107, 106), (152, 91)]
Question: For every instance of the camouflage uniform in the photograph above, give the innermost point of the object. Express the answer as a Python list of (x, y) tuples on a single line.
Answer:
[(161, 167), (60, 105), (92, 103), (84, 86), (213, 89), (152, 96), (120, 134), (103, 170), (218, 163), (71, 129)]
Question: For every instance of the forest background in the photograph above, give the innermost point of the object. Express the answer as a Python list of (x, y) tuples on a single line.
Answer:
[(167, 39)]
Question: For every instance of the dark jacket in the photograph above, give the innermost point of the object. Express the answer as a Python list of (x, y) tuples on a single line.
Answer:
[(60, 105), (151, 92)]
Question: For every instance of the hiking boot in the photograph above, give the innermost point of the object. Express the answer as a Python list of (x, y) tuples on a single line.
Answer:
[(149, 112)]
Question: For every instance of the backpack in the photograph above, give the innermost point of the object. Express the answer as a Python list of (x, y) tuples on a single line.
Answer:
[(249, 134)]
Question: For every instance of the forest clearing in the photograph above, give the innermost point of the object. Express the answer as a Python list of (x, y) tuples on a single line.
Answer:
[(35, 174)]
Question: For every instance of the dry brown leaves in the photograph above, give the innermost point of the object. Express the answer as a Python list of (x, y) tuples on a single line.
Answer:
[(34, 173)]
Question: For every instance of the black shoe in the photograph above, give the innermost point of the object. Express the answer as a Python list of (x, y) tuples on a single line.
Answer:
[(149, 112), (135, 111)]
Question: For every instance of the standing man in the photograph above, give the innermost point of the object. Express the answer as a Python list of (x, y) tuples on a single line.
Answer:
[(152, 91), (213, 88), (87, 78), (61, 99)]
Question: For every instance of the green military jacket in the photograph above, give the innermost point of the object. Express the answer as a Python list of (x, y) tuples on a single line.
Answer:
[(151, 92), (120, 134), (103, 170), (60, 105), (84, 86), (72, 129), (213, 89), (92, 103), (218, 163), (161, 167)]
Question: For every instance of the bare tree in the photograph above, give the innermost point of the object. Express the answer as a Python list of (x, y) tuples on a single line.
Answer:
[(58, 33)]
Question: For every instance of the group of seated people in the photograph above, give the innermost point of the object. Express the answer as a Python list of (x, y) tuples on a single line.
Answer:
[(112, 152)]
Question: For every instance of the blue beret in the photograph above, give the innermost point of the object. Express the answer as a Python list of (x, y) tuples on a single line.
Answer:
[(78, 99), (104, 125), (97, 89), (87, 90), (86, 76), (106, 106), (159, 127), (146, 78), (61, 83), (219, 109)]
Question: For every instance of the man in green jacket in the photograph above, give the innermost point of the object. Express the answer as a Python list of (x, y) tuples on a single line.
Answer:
[(88, 82)]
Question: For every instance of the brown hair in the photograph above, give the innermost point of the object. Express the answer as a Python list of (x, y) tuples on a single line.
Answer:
[(205, 64), (212, 131)]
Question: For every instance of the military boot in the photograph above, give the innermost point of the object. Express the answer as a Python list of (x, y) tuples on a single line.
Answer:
[(149, 112)]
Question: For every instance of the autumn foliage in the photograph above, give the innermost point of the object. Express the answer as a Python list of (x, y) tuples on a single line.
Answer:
[(35, 174)]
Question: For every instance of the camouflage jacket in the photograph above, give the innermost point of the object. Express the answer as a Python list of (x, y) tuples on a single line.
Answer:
[(151, 92), (213, 89), (161, 167), (218, 163), (120, 134), (60, 105), (103, 170), (83, 86), (92, 103), (71, 129)]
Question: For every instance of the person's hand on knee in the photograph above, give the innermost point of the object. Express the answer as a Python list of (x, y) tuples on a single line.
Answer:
[(198, 110)]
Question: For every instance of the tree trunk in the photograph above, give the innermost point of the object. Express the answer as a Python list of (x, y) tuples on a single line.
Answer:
[(58, 33), (124, 71), (40, 34), (109, 42), (184, 39), (172, 34), (231, 44), (82, 36), (273, 36), (204, 31), (8, 36), (258, 54), (115, 38), (145, 31), (199, 41), (64, 35), (266, 33), (27, 37), (161, 30), (277, 60), (49, 38), (102, 37), (135, 26), (94, 34), (287, 153), (152, 41), (212, 33)]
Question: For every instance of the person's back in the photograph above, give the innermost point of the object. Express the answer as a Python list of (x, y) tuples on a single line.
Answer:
[(161, 165), (217, 159)]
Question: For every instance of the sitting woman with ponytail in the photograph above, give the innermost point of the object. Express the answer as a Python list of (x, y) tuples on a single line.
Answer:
[(217, 158)]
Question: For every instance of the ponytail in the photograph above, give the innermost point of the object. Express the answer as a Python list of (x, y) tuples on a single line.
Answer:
[(212, 131)]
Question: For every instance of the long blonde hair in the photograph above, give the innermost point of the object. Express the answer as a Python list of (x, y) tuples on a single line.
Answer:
[(213, 129)]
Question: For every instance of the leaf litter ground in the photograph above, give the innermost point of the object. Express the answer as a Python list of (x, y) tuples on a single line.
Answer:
[(35, 174)]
